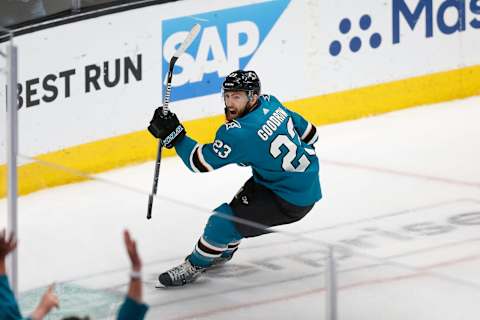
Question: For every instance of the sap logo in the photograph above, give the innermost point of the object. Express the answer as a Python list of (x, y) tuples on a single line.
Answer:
[(228, 40), (401, 10)]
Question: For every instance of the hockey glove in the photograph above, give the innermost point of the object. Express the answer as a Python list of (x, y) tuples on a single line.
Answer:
[(166, 127)]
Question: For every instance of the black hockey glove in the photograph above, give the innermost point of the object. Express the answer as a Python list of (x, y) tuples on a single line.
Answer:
[(166, 127)]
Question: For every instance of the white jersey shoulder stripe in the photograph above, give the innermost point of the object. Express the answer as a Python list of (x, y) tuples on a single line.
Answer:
[(307, 131), (314, 138)]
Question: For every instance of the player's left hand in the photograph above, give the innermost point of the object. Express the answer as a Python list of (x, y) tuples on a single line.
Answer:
[(167, 127)]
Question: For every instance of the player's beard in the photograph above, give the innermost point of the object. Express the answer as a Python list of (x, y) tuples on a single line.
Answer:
[(229, 117)]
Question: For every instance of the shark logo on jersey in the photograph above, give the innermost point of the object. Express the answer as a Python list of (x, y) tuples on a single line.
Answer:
[(232, 124), (228, 40)]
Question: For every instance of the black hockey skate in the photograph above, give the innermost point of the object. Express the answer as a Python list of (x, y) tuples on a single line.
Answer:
[(180, 275)]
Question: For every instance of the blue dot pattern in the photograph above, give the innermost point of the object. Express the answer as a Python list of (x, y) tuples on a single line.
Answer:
[(375, 40), (355, 43), (335, 48), (365, 22), (345, 25)]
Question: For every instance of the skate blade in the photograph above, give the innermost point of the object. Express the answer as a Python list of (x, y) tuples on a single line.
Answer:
[(159, 285), (197, 282)]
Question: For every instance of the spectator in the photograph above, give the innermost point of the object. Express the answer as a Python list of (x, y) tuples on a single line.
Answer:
[(132, 308), (8, 305)]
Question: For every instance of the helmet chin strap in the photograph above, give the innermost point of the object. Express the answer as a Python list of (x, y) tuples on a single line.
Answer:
[(250, 99)]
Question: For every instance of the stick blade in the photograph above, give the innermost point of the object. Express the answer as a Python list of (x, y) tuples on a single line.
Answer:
[(188, 40)]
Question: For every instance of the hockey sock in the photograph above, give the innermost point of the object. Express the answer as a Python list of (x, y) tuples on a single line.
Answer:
[(218, 234), (232, 247), (205, 252)]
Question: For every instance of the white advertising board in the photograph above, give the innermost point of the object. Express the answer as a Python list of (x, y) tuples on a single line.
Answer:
[(353, 45)]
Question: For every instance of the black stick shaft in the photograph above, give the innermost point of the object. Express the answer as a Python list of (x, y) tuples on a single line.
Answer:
[(155, 180), (166, 101)]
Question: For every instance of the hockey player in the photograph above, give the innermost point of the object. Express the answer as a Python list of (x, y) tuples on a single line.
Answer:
[(261, 133)]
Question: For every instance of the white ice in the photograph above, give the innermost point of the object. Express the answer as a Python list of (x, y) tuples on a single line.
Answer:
[(401, 202)]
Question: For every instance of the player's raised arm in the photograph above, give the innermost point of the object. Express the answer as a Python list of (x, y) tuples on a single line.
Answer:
[(225, 149)]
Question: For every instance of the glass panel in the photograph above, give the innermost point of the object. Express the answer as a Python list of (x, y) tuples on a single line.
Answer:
[(405, 248), (15, 12), (397, 258), (55, 6), (72, 235), (271, 276), (3, 159), (396, 290), (89, 3)]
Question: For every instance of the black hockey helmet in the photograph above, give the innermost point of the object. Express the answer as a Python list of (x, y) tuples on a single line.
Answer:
[(242, 81)]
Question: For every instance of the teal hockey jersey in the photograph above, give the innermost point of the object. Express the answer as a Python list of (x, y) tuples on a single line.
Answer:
[(274, 141)]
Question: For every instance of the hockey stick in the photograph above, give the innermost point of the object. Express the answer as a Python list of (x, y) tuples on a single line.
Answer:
[(166, 99)]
